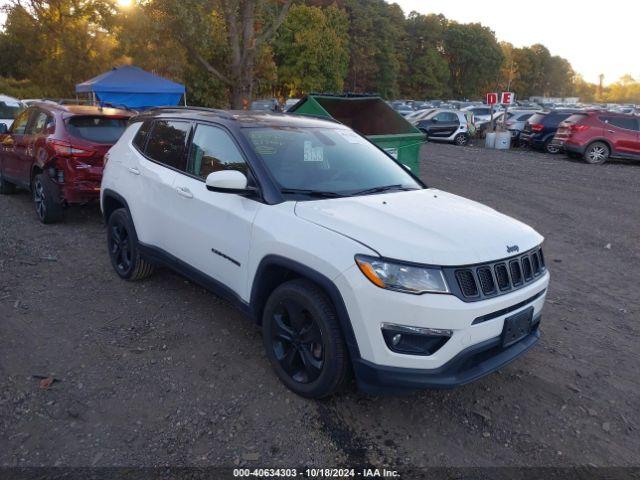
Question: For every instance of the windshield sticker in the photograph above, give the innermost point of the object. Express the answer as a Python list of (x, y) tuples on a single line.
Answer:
[(351, 137), (313, 154)]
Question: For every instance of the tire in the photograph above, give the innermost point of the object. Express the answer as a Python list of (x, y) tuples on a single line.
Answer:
[(124, 252), (551, 148), (461, 139), (6, 188), (596, 153), (46, 199), (303, 340)]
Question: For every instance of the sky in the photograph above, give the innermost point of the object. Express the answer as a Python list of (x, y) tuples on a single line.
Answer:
[(595, 36)]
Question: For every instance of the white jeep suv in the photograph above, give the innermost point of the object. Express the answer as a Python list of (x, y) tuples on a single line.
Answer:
[(349, 263)]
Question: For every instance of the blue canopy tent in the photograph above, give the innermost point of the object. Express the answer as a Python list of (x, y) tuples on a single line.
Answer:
[(130, 86)]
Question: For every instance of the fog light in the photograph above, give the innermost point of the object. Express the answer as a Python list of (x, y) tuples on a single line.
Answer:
[(414, 340)]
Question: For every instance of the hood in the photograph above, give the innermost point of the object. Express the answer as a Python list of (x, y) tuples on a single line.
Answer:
[(424, 226)]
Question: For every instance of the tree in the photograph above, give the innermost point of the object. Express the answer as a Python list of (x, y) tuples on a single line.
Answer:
[(311, 50), (248, 26), (474, 58), (57, 43), (376, 39), (427, 73)]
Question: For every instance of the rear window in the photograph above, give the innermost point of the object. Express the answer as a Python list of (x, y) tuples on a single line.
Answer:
[(537, 118), (577, 118), (97, 129)]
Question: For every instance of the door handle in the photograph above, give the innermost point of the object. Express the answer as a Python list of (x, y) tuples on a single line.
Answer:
[(611, 131), (184, 192), (134, 170)]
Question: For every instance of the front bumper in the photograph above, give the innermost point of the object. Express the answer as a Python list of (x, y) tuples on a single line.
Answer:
[(474, 325), (469, 365)]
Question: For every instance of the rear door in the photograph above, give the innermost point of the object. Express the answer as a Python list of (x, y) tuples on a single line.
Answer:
[(164, 155), (622, 133), (35, 149), (14, 148)]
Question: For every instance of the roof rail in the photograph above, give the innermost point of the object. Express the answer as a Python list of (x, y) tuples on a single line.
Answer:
[(183, 107)]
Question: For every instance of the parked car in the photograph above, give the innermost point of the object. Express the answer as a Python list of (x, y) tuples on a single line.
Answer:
[(57, 152), (445, 125), (9, 109), (515, 122), (485, 126), (270, 105), (348, 261), (402, 108), (482, 113), (290, 102), (414, 117), (541, 127), (597, 136)]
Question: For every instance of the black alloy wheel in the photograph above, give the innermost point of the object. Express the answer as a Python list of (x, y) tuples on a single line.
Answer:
[(297, 342)]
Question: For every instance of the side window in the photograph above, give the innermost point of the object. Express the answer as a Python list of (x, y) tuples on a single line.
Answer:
[(40, 124), (19, 125), (447, 117), (524, 117), (141, 136), (212, 149), (625, 123), (167, 143)]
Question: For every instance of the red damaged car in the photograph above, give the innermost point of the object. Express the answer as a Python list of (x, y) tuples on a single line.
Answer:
[(57, 152)]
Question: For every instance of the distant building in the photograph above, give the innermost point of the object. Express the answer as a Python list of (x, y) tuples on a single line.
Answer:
[(563, 100)]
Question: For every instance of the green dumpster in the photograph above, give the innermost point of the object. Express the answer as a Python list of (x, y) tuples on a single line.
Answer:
[(372, 117)]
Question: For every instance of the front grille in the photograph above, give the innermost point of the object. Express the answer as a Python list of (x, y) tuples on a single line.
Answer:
[(486, 280), (526, 268), (516, 272), (535, 264), (467, 283), (502, 276)]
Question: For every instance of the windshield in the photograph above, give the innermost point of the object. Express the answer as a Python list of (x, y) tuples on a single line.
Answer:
[(9, 110), (327, 160), (97, 129)]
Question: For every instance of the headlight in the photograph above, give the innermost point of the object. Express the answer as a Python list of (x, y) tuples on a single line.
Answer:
[(402, 277)]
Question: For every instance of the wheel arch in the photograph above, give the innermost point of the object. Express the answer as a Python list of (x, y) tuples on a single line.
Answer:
[(274, 270), (111, 201), (601, 140)]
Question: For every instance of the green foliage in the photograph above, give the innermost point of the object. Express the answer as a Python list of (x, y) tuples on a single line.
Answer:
[(427, 74), (376, 39), (475, 59), (228, 51), (57, 43), (311, 51)]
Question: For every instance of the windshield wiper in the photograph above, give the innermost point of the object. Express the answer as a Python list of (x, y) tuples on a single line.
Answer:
[(384, 188), (311, 193)]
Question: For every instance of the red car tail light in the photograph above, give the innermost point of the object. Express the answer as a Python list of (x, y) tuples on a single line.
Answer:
[(66, 149), (537, 127), (578, 128)]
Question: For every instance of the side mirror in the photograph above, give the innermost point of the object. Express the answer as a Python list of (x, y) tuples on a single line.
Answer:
[(3, 128), (228, 181)]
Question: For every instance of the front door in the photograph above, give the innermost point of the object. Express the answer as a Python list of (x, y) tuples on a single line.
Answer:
[(215, 227)]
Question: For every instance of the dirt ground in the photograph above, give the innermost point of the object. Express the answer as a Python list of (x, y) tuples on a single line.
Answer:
[(164, 373)]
